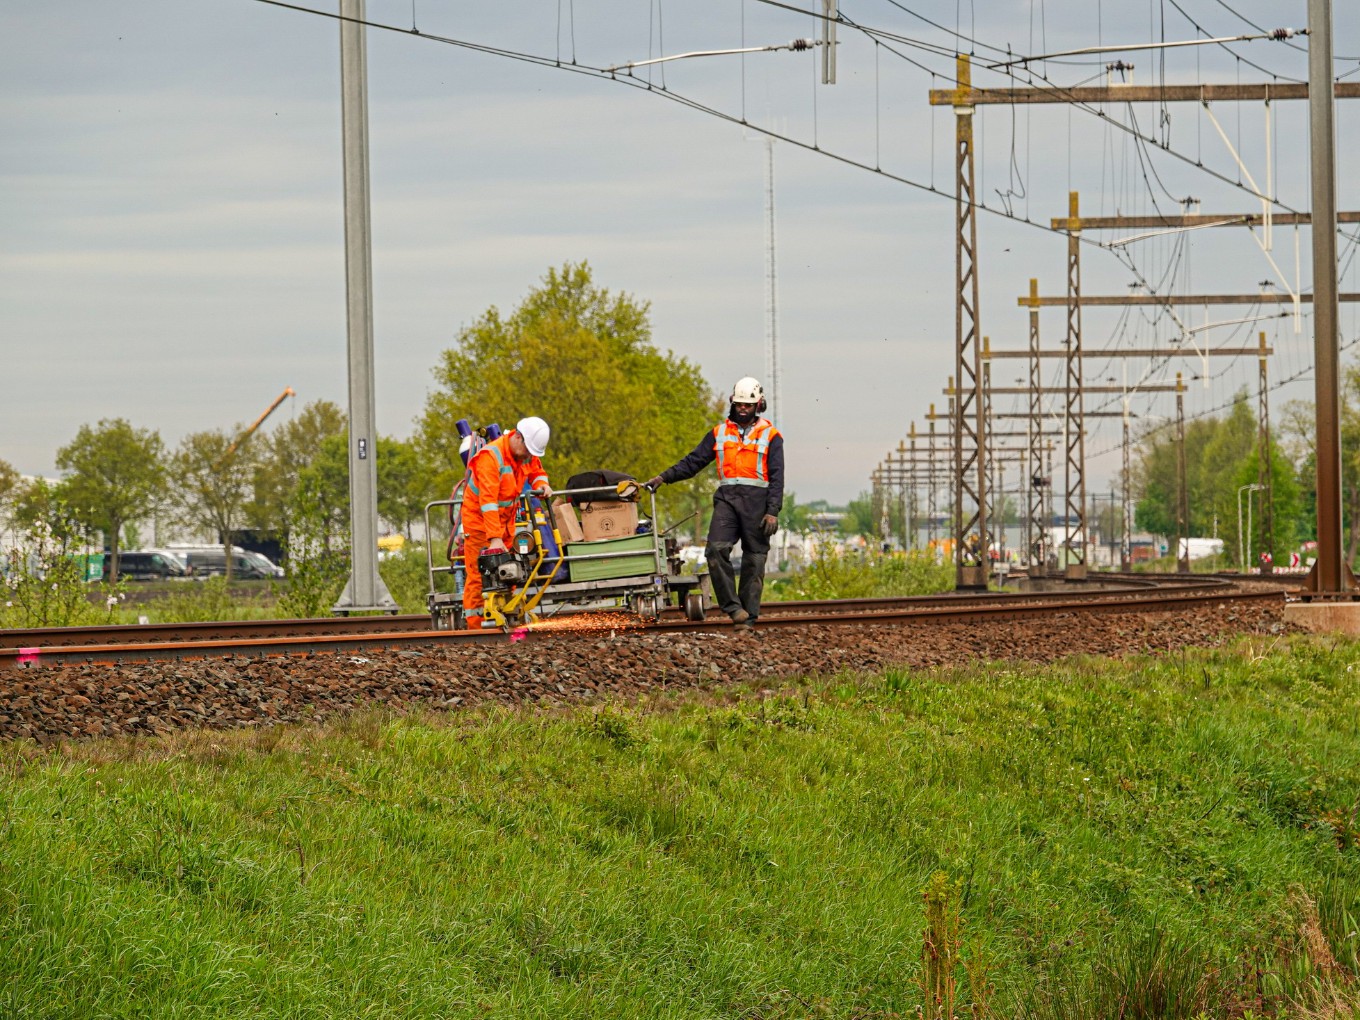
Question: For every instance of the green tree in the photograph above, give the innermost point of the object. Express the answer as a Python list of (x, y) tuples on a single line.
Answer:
[(115, 474), (1298, 433), (280, 457), (864, 516), (1222, 456), (318, 558), (405, 483), (582, 358), (213, 488), (404, 486), (9, 482), (1299, 425), (795, 517)]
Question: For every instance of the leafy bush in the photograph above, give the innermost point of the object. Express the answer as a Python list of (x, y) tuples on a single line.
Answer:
[(44, 581), (406, 575), (832, 574), (316, 569)]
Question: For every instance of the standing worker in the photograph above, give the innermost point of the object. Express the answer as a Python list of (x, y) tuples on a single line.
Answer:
[(495, 478), (750, 456)]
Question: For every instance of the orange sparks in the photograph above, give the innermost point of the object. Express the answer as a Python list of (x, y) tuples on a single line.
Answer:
[(590, 621)]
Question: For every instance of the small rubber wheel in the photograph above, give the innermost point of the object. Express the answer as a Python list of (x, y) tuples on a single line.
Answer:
[(694, 607)]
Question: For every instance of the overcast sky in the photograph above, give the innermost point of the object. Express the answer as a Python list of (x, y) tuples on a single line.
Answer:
[(171, 236)]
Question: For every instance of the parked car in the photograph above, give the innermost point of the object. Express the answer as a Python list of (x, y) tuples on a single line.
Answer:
[(213, 563), (262, 561), (140, 565)]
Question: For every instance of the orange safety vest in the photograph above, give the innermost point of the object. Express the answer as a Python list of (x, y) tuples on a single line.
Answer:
[(743, 460), (495, 480)]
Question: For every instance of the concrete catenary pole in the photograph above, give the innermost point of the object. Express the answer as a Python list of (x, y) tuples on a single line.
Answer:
[(771, 293), (365, 591)]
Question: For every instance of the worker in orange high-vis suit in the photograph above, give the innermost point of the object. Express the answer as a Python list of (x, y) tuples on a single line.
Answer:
[(749, 452), (496, 476)]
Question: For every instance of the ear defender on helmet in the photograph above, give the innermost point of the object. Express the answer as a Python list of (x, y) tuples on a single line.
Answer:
[(749, 391)]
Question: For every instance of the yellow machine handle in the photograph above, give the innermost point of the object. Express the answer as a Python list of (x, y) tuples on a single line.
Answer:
[(518, 607)]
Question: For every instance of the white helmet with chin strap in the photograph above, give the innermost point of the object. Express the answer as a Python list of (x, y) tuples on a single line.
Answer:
[(749, 391)]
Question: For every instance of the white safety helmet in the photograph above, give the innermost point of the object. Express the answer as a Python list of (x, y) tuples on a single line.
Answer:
[(748, 391), (535, 433)]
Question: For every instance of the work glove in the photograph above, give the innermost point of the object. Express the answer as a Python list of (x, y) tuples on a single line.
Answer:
[(654, 483), (542, 492), (769, 524)]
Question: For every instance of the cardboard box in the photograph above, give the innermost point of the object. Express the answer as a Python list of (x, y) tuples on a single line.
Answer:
[(568, 527), (644, 562), (608, 520)]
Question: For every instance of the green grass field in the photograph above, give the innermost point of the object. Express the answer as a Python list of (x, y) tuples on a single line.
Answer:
[(1171, 838)]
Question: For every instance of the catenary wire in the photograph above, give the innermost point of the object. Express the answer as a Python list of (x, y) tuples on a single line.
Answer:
[(704, 108)]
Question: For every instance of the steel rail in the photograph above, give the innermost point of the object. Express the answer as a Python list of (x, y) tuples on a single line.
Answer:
[(246, 630), (146, 633), (944, 611)]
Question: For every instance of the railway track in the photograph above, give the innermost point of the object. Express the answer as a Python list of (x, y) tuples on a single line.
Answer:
[(52, 647)]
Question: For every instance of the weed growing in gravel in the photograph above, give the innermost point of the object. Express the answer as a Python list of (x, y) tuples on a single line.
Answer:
[(1165, 838)]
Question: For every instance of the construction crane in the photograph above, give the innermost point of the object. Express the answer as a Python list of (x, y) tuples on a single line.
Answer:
[(235, 443)]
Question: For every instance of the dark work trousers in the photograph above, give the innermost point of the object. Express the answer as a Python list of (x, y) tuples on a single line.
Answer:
[(737, 513)]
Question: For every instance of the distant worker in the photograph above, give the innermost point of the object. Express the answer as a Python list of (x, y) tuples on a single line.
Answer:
[(496, 477), (750, 455)]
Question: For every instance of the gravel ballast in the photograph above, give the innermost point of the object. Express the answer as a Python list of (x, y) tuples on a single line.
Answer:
[(73, 702)]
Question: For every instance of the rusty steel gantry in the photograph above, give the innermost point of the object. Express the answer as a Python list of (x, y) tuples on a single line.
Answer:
[(970, 429), (971, 473)]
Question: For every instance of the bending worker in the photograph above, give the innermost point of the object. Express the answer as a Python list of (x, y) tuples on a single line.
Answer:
[(495, 478), (750, 455)]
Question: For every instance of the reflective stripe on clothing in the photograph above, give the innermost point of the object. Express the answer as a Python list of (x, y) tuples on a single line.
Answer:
[(495, 480), (495, 451), (743, 460)]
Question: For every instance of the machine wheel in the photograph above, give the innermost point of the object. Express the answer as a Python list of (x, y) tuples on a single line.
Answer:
[(647, 606), (694, 607)]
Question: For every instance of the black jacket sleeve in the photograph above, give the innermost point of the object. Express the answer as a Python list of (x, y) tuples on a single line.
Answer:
[(693, 462), (774, 464)]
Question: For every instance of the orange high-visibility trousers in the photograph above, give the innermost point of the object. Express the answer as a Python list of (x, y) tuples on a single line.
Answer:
[(475, 540)]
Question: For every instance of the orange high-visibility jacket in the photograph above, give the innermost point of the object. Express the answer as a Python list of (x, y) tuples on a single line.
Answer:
[(743, 460), (495, 480)]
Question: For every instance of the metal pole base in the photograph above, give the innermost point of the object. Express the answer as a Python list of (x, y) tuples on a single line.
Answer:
[(382, 599), (1310, 591), (1074, 572)]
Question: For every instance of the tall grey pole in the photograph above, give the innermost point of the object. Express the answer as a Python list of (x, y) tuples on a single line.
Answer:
[(365, 590), (1331, 576), (771, 291)]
